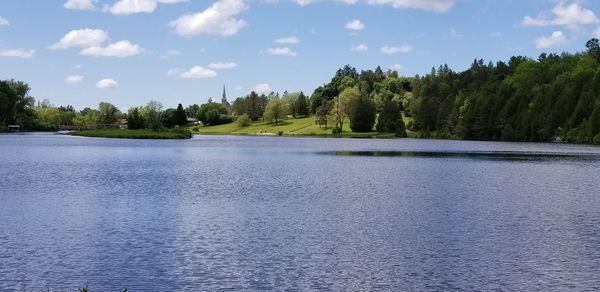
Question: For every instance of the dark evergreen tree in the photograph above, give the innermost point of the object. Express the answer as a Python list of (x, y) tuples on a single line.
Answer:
[(302, 105), (180, 117), (362, 114)]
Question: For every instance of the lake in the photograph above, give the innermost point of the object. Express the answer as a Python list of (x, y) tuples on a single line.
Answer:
[(274, 213)]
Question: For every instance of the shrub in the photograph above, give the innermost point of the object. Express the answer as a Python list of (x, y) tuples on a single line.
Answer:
[(243, 121)]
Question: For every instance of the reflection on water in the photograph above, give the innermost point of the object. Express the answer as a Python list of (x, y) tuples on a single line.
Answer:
[(495, 155), (257, 213)]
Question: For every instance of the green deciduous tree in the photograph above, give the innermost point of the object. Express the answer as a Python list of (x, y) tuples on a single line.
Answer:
[(109, 114), (274, 112)]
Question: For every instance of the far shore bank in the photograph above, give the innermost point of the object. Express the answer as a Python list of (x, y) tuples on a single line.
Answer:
[(134, 134)]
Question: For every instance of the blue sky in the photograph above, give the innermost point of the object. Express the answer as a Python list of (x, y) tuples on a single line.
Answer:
[(127, 52)]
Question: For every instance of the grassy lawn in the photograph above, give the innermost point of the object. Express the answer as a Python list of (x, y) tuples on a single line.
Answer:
[(288, 127), (135, 134)]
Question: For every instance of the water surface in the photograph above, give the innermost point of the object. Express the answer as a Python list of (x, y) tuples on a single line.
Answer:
[(272, 213)]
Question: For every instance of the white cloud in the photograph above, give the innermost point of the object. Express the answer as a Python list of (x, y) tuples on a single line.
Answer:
[(74, 79), (222, 65), (173, 72), (4, 22), (169, 54), (431, 5), (496, 34), (238, 88), (396, 67), (308, 2), (556, 39), (263, 88), (572, 15), (81, 38), (360, 48), (597, 33), (282, 52), (355, 25), (80, 4), (120, 49), (218, 19), (78, 66), (91, 42), (395, 50), (126, 7), (288, 40), (107, 83), (17, 53), (198, 72)]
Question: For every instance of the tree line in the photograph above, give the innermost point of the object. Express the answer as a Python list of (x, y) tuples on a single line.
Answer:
[(551, 98)]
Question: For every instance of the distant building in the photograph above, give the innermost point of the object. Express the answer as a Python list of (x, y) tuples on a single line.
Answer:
[(192, 121), (224, 101)]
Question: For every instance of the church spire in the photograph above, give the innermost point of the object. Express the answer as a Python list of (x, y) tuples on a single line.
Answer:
[(224, 94)]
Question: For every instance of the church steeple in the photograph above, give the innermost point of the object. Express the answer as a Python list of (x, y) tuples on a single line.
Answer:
[(224, 101)]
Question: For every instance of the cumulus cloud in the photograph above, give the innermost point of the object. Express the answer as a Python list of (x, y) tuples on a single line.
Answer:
[(81, 38), (91, 42), (198, 72), (355, 25), (80, 4), (17, 53), (360, 48), (219, 19), (126, 7), (572, 15), (120, 49), (288, 40), (263, 88), (107, 83), (74, 79), (431, 5), (556, 39), (4, 22), (282, 52), (222, 65), (395, 50)]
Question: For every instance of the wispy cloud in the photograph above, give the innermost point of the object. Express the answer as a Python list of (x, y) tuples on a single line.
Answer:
[(360, 48), (287, 40), (18, 53), (282, 52), (397, 49)]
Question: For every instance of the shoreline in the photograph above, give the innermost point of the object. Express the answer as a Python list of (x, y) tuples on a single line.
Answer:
[(133, 134)]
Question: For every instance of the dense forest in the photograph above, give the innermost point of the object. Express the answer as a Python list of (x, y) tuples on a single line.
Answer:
[(551, 98), (556, 97)]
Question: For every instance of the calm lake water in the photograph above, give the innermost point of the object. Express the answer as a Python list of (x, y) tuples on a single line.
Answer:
[(270, 213)]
